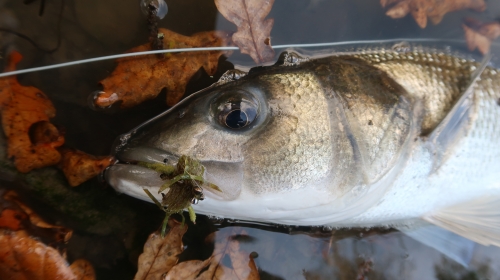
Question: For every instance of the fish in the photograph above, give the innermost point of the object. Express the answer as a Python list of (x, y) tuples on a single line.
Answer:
[(392, 137)]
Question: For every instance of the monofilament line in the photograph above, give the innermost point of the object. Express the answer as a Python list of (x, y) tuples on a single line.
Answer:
[(315, 45)]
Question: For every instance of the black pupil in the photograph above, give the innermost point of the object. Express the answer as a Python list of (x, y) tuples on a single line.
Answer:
[(236, 119)]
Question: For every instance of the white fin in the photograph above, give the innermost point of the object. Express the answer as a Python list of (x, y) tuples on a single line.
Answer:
[(455, 122), (478, 220), (455, 247)]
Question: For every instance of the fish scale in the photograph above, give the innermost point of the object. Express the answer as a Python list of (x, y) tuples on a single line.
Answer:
[(474, 163)]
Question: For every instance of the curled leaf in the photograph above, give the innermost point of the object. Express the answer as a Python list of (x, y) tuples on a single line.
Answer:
[(253, 35), (422, 10), (137, 79), (161, 254), (79, 167), (479, 35), (25, 108)]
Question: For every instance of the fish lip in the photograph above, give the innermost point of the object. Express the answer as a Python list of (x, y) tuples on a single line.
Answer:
[(145, 154)]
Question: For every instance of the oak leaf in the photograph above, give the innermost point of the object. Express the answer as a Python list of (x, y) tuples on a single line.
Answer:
[(22, 107), (421, 10), (79, 167), (242, 264), (29, 220), (161, 254), (136, 79), (479, 35), (24, 258), (253, 35)]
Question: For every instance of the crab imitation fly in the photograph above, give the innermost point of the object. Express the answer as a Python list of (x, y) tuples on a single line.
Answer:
[(184, 182)]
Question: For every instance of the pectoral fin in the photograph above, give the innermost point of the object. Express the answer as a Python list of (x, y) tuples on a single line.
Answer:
[(477, 220), (455, 124)]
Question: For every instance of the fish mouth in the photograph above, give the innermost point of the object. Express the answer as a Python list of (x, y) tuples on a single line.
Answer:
[(127, 176)]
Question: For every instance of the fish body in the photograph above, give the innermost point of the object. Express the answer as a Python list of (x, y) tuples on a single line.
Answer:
[(375, 138)]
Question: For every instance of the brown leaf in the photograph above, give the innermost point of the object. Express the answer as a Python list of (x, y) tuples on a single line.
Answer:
[(137, 79), (79, 167), (253, 35), (479, 35), (82, 269), (11, 219), (22, 107), (243, 266), (421, 10), (58, 233), (161, 254), (24, 258)]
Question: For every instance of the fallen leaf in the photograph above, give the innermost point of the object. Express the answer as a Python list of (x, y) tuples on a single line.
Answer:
[(161, 254), (22, 107), (59, 234), (421, 10), (479, 35), (242, 264), (24, 258), (82, 269), (11, 219), (137, 79), (79, 167), (253, 35)]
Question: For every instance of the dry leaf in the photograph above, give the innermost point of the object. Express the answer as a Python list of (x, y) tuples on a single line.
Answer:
[(79, 167), (137, 79), (479, 35), (22, 107), (243, 266), (161, 254), (11, 219), (253, 35), (59, 234), (24, 258), (432, 9), (83, 270)]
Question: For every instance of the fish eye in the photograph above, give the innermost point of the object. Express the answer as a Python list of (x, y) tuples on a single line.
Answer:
[(236, 111)]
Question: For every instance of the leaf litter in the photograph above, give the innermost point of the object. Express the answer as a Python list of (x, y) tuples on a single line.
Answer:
[(241, 265), (479, 35), (161, 255), (79, 167), (33, 141), (22, 107), (23, 256), (434, 10), (253, 35), (136, 79)]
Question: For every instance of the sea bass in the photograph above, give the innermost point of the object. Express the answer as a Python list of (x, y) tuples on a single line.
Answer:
[(375, 138)]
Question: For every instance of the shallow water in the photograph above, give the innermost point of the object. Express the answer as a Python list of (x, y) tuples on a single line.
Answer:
[(91, 28)]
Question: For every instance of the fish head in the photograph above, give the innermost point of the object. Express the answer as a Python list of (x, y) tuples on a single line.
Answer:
[(282, 139)]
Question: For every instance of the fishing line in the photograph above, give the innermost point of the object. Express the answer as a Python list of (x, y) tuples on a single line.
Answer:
[(116, 56)]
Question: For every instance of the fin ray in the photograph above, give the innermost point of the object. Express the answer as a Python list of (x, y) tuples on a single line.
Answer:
[(452, 126), (478, 220)]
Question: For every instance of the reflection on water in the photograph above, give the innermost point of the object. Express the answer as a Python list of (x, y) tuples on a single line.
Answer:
[(93, 28), (313, 253)]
